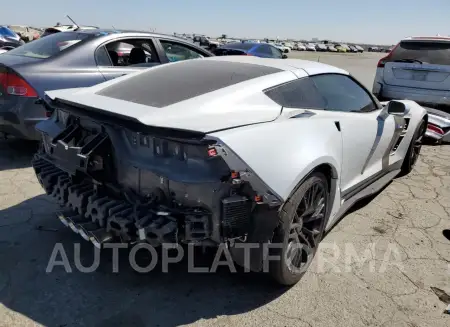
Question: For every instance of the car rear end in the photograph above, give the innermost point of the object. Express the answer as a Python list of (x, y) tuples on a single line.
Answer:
[(418, 69), (22, 85), (121, 180), (143, 175), (19, 110)]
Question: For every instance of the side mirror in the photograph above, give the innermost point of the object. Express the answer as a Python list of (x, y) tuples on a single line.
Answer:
[(284, 57), (396, 108)]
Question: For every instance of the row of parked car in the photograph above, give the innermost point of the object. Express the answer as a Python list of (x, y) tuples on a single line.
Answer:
[(330, 47), (284, 46)]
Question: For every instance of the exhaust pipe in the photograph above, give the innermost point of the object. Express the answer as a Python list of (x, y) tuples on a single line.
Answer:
[(100, 237), (85, 229)]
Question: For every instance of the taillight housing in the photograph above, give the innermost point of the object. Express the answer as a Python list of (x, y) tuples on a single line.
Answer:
[(435, 129), (383, 60), (15, 85)]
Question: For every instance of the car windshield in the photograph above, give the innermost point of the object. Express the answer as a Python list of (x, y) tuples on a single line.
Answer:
[(7, 32), (425, 51), (51, 45)]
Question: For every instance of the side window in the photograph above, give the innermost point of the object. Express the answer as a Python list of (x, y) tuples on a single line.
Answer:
[(126, 52), (300, 93), (276, 52), (264, 49), (102, 57), (342, 93), (177, 51)]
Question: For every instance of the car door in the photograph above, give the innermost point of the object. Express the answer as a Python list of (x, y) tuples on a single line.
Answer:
[(276, 53), (369, 133), (263, 51), (112, 69)]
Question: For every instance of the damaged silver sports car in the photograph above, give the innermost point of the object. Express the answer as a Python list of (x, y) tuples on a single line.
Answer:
[(233, 150)]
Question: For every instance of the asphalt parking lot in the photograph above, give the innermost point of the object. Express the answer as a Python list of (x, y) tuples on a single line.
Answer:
[(377, 267)]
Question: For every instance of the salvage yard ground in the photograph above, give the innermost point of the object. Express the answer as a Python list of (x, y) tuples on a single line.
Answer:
[(397, 236)]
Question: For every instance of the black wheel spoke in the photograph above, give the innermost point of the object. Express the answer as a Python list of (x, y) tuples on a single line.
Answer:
[(312, 218), (306, 227)]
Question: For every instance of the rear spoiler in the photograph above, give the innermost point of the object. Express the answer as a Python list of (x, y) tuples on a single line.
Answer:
[(118, 120)]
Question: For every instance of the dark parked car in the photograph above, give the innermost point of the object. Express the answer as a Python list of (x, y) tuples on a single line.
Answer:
[(262, 50), (76, 59), (9, 38)]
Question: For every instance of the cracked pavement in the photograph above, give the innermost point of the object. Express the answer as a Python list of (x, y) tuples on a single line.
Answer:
[(375, 268)]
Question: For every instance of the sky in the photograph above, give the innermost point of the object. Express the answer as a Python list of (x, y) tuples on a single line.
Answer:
[(359, 21)]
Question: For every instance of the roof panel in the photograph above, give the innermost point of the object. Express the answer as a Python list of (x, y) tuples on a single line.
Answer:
[(172, 83), (311, 67)]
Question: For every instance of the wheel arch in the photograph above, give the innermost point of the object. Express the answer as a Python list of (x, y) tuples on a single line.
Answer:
[(327, 168), (332, 175)]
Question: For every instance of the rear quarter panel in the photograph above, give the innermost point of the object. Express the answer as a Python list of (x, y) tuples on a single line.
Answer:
[(283, 152), (55, 78), (72, 68)]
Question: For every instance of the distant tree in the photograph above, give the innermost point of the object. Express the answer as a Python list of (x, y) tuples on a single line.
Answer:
[(58, 24), (224, 36)]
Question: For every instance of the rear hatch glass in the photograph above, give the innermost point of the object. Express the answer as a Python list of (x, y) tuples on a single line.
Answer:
[(437, 53), (51, 45), (419, 64)]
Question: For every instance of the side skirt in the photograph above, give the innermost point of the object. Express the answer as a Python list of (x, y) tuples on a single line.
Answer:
[(369, 190)]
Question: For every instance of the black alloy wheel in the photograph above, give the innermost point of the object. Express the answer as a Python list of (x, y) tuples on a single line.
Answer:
[(414, 149), (302, 224)]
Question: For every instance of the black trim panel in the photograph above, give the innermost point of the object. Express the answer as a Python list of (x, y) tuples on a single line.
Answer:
[(347, 194)]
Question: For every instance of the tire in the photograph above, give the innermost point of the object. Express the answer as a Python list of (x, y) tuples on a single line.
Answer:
[(414, 149), (287, 270)]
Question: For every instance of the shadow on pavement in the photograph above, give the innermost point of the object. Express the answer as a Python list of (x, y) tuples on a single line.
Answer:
[(446, 233), (15, 153), (359, 205), (104, 298)]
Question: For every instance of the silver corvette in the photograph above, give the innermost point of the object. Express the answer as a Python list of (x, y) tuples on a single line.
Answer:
[(234, 150)]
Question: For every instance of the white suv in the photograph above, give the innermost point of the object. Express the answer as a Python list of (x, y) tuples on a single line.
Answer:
[(418, 69)]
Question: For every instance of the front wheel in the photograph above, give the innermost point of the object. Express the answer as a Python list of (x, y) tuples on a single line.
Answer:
[(301, 228), (414, 149)]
